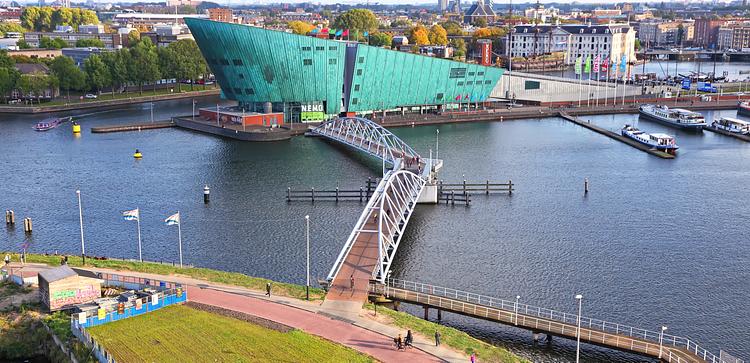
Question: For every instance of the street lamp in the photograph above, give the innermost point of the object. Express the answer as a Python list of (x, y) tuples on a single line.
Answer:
[(152, 112), (80, 220), (579, 297), (437, 143), (661, 339), (518, 297), (307, 237)]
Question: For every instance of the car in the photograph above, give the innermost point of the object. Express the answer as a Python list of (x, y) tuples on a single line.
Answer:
[(90, 96)]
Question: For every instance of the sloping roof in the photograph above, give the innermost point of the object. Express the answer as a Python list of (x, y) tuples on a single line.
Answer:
[(479, 8), (85, 273), (29, 68), (571, 28), (57, 273)]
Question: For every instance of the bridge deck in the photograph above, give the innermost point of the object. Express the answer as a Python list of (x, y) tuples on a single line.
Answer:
[(589, 334)]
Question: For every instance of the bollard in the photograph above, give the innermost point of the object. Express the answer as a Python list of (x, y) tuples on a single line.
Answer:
[(337, 194), (510, 187), (288, 194), (312, 194), (10, 217), (464, 186), (453, 198), (487, 190), (206, 194), (586, 186), (27, 225), (360, 194)]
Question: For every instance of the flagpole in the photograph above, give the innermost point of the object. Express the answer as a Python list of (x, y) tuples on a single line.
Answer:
[(588, 89), (138, 221), (179, 234), (606, 89), (598, 77), (80, 219), (617, 68)]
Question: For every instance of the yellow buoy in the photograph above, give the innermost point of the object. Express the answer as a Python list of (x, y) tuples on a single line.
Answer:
[(76, 128), (137, 154)]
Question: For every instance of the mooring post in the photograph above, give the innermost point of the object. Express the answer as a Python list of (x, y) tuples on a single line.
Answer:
[(360, 194), (510, 187), (312, 194), (453, 197), (468, 199), (337, 194), (426, 313), (488, 187), (288, 194), (586, 186), (206, 194), (10, 217), (27, 227), (464, 186), (440, 187)]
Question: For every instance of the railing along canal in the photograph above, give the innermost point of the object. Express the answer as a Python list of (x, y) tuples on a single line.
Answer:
[(599, 331)]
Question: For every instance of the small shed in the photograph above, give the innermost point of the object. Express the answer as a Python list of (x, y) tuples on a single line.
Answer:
[(63, 287)]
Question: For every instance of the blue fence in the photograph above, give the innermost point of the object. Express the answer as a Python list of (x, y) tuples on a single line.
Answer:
[(152, 303)]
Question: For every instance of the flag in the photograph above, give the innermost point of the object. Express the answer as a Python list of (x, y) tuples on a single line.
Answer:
[(466, 97), (623, 63), (324, 31), (131, 215), (587, 67), (597, 63), (578, 66), (605, 65), (458, 98), (345, 33), (338, 32), (173, 219), (315, 31)]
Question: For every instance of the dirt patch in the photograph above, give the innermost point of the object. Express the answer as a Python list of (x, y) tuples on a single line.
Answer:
[(269, 324)]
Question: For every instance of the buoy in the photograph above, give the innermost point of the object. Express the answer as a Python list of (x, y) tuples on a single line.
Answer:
[(76, 128), (137, 154)]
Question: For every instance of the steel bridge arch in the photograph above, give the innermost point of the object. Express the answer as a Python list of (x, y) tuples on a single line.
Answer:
[(368, 136)]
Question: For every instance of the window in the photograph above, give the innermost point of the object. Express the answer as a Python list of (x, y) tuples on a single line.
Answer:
[(458, 73), (237, 91), (242, 76), (224, 62), (460, 84), (320, 48), (306, 48), (480, 73), (361, 60), (307, 62), (249, 91), (471, 73), (439, 96), (237, 62), (332, 61), (359, 72), (469, 83), (354, 101), (356, 87), (488, 82), (333, 47)]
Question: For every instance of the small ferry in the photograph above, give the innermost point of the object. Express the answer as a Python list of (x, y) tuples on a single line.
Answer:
[(677, 117), (732, 125), (51, 123), (657, 141), (743, 108)]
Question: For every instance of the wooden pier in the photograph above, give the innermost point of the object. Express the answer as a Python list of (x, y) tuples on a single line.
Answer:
[(133, 127), (745, 138), (623, 139), (486, 188)]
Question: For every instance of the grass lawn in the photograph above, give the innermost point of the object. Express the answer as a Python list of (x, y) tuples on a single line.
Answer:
[(451, 337), (221, 277), (180, 334), (147, 92)]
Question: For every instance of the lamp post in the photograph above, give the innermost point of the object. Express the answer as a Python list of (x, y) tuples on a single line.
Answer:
[(307, 237), (661, 339), (518, 297), (579, 297), (193, 114), (80, 220), (152, 112), (437, 143)]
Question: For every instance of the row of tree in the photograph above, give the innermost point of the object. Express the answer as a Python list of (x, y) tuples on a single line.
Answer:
[(44, 19), (140, 64)]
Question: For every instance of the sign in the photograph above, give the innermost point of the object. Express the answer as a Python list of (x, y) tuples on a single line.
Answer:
[(82, 318), (101, 314), (155, 299), (686, 83), (179, 292), (532, 85), (312, 112), (138, 304)]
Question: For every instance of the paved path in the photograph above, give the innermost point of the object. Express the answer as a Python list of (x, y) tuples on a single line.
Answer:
[(334, 323)]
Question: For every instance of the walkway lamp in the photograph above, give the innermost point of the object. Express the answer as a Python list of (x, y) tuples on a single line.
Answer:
[(437, 143), (307, 237), (518, 297), (579, 297), (661, 339), (80, 220)]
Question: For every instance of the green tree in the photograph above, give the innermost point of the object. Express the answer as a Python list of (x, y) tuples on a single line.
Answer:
[(460, 47), (97, 74), (6, 61), (62, 16), (381, 39), (49, 43), (117, 66), (300, 27), (134, 37), (29, 16), (90, 42), (33, 85), (69, 76), (400, 23), (480, 22), (22, 44), (637, 44), (8, 78), (452, 28), (437, 35), (418, 35), (6, 28), (356, 19), (144, 63)]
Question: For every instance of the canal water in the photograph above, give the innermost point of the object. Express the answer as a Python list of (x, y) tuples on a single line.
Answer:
[(655, 242), (666, 68)]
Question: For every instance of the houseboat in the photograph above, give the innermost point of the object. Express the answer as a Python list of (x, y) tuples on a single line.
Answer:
[(732, 125), (50, 123), (676, 117), (657, 141), (743, 108)]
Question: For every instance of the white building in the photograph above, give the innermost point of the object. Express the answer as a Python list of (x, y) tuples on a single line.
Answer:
[(608, 41), (539, 12)]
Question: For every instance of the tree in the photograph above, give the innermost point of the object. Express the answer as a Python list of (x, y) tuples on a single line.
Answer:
[(34, 84), (480, 22), (90, 42), (49, 43), (68, 74), (381, 39), (6, 61), (117, 66), (637, 44), (460, 47), (143, 65), (6, 28), (418, 35), (22, 44), (300, 27), (453, 28), (8, 78), (400, 23), (437, 35), (47, 18), (356, 19), (97, 74), (134, 37)]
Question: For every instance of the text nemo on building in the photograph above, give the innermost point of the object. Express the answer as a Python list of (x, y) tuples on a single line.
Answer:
[(311, 79)]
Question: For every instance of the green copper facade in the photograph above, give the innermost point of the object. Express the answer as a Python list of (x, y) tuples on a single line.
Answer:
[(256, 66)]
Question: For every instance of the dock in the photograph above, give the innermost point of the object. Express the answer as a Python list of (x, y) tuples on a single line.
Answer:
[(132, 127), (623, 139), (745, 138)]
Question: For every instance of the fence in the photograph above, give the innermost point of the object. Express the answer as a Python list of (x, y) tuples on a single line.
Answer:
[(101, 354)]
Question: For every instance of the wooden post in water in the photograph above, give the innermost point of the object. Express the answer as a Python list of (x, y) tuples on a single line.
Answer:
[(510, 187), (487, 190), (464, 186), (453, 197), (288, 194), (586, 186), (27, 227), (312, 194), (337, 194), (10, 217), (360, 194)]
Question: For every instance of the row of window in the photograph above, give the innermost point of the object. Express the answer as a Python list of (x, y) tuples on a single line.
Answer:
[(248, 91), (309, 62), (307, 48)]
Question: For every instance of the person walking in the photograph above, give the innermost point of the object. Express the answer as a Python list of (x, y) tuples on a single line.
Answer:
[(7, 258), (437, 338), (473, 357), (268, 289), (409, 338), (400, 343), (351, 282)]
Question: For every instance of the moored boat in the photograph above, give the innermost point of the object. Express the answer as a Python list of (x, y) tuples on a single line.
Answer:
[(733, 125), (51, 123), (743, 108), (657, 141), (676, 117)]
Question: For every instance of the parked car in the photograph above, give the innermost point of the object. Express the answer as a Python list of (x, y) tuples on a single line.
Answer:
[(90, 96)]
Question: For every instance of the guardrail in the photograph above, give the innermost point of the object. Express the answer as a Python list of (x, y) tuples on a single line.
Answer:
[(641, 340), (101, 354)]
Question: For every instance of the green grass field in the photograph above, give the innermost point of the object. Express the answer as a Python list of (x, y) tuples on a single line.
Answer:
[(181, 334)]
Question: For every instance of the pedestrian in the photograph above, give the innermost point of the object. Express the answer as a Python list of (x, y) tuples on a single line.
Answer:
[(409, 338), (7, 258), (268, 289), (473, 357), (400, 343), (66, 259), (351, 282), (437, 338)]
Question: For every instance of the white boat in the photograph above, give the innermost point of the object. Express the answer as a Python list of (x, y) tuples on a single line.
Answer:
[(677, 117), (733, 125), (657, 141), (743, 108)]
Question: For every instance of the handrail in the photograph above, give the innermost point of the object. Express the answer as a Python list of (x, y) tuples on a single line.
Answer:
[(530, 311)]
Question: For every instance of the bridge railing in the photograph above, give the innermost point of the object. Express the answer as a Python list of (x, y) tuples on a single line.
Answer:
[(515, 308)]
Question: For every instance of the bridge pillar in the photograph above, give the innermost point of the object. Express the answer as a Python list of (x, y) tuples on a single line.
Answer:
[(440, 315), (426, 313), (429, 194)]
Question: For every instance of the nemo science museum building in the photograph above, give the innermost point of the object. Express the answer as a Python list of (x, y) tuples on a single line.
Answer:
[(311, 79)]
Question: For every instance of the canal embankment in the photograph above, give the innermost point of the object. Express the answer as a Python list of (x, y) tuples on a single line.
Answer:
[(745, 138), (133, 127)]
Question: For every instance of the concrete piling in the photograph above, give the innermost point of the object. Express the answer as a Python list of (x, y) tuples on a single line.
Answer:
[(27, 227), (10, 217), (586, 186), (206, 194)]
